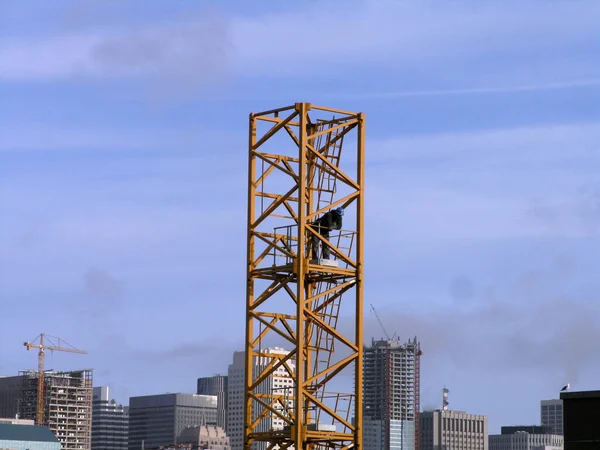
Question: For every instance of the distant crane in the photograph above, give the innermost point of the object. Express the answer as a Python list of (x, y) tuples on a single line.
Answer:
[(39, 416), (387, 336)]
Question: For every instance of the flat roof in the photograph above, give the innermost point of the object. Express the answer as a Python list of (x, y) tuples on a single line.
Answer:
[(10, 432), (579, 394)]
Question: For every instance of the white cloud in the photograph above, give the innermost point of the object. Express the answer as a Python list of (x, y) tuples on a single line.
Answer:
[(485, 184), (591, 82), (40, 136), (203, 47), (536, 144)]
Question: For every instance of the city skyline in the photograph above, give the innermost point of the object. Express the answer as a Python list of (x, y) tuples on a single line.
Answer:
[(123, 165)]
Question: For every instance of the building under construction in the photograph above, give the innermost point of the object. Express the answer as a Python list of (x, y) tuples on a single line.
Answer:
[(67, 404), (391, 395)]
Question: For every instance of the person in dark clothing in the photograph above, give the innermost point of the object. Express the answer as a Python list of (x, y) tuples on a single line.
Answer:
[(331, 220)]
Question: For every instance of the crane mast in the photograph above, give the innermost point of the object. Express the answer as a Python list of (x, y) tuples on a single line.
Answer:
[(43, 346), (294, 292)]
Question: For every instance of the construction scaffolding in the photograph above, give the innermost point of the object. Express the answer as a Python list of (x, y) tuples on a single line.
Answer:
[(294, 297), (392, 386), (67, 403)]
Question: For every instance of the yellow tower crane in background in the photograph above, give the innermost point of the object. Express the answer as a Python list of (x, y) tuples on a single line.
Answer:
[(43, 346)]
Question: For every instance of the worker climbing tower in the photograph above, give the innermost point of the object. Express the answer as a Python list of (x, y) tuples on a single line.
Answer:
[(295, 299)]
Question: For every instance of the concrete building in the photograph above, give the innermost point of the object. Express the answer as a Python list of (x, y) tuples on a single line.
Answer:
[(205, 437), (281, 382), (158, 420), (525, 437), (551, 415), (10, 392), (456, 430), (27, 437), (216, 385), (391, 395), (67, 405), (110, 421), (581, 416)]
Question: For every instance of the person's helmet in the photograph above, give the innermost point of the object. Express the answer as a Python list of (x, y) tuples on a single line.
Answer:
[(340, 211)]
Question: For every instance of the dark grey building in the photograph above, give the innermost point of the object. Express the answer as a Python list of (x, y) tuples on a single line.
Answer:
[(110, 422), (10, 392), (216, 385), (157, 420), (581, 415)]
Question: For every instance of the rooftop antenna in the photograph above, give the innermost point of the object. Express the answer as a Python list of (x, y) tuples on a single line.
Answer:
[(445, 399)]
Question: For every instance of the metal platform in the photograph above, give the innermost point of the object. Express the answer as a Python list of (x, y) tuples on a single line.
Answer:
[(325, 262)]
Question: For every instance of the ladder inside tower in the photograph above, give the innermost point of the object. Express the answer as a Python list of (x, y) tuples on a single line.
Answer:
[(327, 306)]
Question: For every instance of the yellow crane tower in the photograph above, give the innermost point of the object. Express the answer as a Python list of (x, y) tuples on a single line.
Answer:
[(301, 279), (43, 346)]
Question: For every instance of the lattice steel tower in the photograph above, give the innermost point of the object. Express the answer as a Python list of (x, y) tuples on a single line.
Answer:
[(294, 298)]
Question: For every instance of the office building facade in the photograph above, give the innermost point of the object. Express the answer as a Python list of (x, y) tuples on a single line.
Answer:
[(525, 438), (110, 421), (280, 382), (158, 420), (391, 395), (551, 415), (456, 430), (217, 386)]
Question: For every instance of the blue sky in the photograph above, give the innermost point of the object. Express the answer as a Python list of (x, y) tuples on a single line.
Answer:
[(123, 175)]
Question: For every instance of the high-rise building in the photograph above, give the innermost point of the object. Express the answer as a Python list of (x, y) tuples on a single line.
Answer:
[(280, 382), (216, 385), (157, 420), (391, 395), (456, 430), (525, 437), (110, 421), (551, 412), (67, 405)]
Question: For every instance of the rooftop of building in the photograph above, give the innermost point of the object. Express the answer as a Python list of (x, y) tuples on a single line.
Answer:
[(579, 394), (15, 421), (37, 433), (531, 429)]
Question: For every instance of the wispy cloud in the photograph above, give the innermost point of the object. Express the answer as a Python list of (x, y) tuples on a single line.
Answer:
[(203, 47), (560, 85), (65, 137), (525, 145)]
